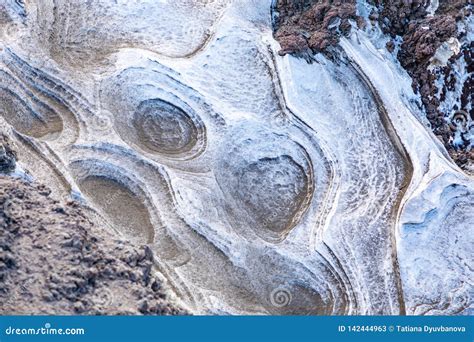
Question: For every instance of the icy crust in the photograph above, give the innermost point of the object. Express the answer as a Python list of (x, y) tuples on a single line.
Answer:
[(263, 184), (436, 237), (433, 42), (460, 78), (435, 220), (432, 7), (128, 24), (161, 157), (351, 133)]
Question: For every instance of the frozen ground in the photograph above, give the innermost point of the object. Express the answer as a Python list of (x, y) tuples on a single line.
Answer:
[(263, 184)]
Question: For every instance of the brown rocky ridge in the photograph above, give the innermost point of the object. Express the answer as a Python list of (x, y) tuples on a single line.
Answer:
[(304, 28)]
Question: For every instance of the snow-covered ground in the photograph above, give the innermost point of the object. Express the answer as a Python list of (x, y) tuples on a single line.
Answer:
[(263, 184)]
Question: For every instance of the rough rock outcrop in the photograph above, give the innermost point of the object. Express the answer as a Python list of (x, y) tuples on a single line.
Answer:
[(54, 260), (429, 36), (435, 52), (263, 184), (307, 27), (7, 155)]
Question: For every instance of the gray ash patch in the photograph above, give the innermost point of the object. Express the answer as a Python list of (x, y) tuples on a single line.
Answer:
[(53, 260)]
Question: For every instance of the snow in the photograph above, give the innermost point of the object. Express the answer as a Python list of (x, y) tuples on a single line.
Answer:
[(256, 173)]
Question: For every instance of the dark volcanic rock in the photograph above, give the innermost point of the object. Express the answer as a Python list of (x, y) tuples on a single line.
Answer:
[(7, 155), (422, 36), (310, 26), (307, 27), (53, 260)]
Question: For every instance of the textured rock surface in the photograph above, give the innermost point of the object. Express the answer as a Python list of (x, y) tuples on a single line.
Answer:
[(53, 260), (7, 155), (437, 53), (263, 184), (433, 41), (307, 27)]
